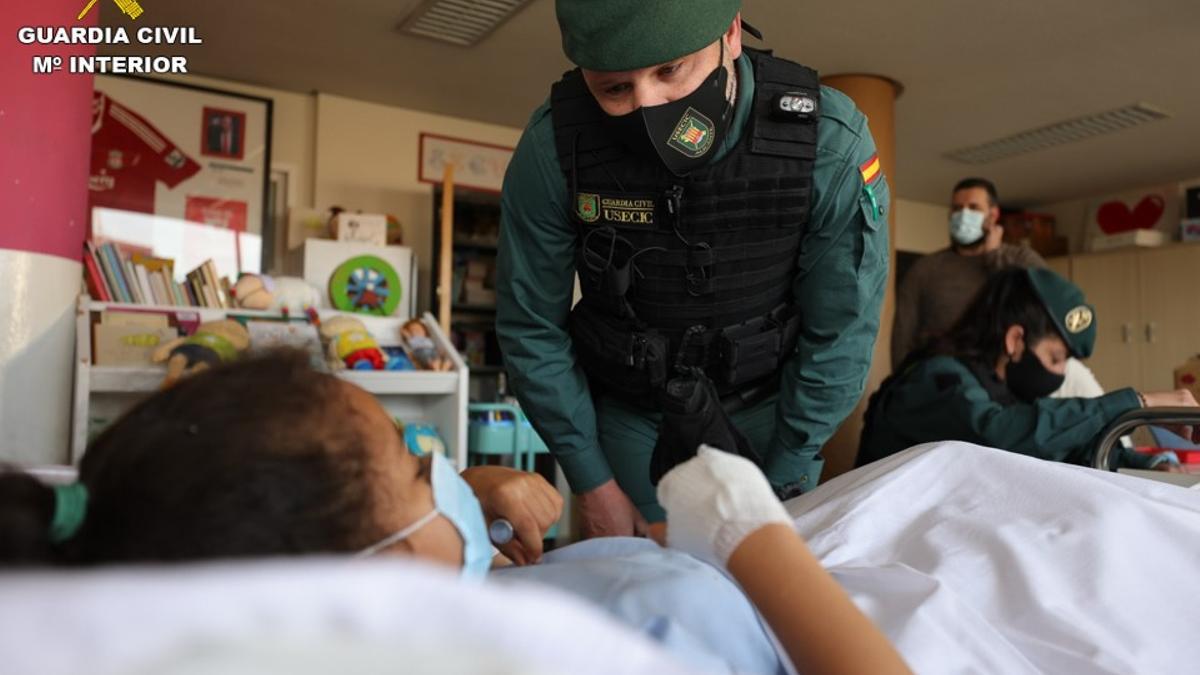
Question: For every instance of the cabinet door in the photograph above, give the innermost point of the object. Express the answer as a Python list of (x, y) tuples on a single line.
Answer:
[(1110, 282), (1170, 328)]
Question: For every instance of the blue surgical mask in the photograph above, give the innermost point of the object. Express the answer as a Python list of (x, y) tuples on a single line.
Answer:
[(455, 500), (966, 227)]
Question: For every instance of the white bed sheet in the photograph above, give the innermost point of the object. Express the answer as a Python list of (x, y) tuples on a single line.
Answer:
[(306, 616), (976, 560)]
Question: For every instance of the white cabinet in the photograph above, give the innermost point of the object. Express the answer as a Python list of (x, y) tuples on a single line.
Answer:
[(103, 393)]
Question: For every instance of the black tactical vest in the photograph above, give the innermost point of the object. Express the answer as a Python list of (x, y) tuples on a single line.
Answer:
[(694, 271)]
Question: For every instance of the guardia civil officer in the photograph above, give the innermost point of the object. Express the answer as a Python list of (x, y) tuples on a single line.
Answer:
[(726, 215), (988, 380)]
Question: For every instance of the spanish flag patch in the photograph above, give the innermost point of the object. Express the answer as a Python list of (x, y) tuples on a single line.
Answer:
[(870, 169)]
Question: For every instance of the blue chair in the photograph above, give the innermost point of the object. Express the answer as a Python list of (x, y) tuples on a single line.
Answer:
[(492, 432)]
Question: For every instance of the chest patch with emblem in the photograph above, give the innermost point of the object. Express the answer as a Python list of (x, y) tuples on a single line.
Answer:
[(617, 210)]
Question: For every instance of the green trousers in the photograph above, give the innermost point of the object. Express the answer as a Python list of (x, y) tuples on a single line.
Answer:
[(628, 434)]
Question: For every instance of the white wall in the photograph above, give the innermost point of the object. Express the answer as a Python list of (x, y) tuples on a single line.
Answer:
[(920, 226), (367, 159), (1071, 216)]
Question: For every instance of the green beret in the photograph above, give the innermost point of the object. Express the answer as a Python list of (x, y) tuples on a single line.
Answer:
[(631, 34), (1072, 315)]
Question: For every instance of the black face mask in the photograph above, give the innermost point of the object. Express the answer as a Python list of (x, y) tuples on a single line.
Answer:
[(1029, 379), (683, 132)]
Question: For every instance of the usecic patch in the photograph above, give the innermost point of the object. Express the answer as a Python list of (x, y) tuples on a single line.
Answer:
[(693, 135), (619, 210), (1078, 319)]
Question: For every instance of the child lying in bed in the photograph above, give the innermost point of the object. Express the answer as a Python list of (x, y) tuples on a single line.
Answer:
[(269, 458)]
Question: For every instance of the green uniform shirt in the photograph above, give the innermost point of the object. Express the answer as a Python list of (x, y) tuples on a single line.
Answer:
[(941, 399), (842, 269)]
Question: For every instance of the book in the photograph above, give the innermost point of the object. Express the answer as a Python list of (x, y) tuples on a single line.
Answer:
[(94, 278), (214, 282), (112, 263), (161, 297), (109, 281), (148, 295), (135, 286)]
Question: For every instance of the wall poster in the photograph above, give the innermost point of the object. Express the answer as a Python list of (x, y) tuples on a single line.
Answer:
[(180, 151)]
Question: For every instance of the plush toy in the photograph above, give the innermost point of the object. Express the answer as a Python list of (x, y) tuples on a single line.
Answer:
[(423, 439), (291, 295), (421, 348), (213, 343), (350, 345)]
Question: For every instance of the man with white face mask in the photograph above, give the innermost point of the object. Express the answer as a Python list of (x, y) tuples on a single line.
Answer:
[(938, 288)]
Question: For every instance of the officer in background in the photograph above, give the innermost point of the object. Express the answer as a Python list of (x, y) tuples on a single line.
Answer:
[(727, 217)]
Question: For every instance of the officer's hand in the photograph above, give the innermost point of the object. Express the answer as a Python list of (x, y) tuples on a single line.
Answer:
[(525, 499), (606, 511), (994, 237)]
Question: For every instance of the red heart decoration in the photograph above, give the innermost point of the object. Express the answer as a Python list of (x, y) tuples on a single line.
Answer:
[(1148, 211), (1115, 217)]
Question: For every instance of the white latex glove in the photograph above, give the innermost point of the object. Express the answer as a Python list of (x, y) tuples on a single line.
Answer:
[(714, 501)]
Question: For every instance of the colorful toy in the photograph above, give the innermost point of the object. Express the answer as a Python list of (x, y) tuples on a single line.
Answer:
[(351, 345), (366, 284), (423, 439), (421, 348), (291, 295), (213, 343)]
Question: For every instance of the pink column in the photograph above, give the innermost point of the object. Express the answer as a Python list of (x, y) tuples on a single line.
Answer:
[(45, 141)]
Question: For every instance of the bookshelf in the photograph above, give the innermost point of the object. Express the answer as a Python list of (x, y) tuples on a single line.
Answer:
[(474, 241), (102, 393)]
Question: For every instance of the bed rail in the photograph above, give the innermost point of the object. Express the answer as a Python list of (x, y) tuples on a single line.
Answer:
[(1105, 457)]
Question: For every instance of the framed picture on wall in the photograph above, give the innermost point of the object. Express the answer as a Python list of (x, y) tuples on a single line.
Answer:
[(181, 151), (479, 166)]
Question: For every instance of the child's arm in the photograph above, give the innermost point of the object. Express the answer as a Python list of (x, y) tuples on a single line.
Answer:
[(817, 623), (720, 507)]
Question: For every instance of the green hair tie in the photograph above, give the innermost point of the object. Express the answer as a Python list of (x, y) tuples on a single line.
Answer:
[(70, 508)]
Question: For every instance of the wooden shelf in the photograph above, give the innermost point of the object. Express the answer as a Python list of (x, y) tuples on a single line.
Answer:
[(145, 379), (477, 246), (103, 393), (402, 382)]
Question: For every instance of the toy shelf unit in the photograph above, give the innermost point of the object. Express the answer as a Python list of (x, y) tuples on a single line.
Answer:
[(473, 235), (104, 392)]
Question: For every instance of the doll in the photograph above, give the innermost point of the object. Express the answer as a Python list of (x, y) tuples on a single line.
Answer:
[(213, 343), (421, 348), (351, 345), (290, 295)]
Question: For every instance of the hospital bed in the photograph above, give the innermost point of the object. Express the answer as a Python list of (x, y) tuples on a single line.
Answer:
[(972, 560), (1105, 457)]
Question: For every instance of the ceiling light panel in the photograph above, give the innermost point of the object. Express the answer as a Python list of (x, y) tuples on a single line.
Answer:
[(1059, 133), (459, 22)]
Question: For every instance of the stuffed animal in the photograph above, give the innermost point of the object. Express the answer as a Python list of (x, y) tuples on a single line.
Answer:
[(213, 343), (421, 348), (291, 295), (351, 345)]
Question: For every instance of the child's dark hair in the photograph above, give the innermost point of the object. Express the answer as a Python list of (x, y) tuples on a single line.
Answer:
[(1006, 299), (233, 462)]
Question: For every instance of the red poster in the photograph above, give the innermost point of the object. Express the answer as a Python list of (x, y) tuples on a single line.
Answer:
[(130, 157), (229, 214)]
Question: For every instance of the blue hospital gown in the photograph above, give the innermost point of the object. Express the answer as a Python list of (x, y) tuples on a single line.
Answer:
[(688, 606)]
